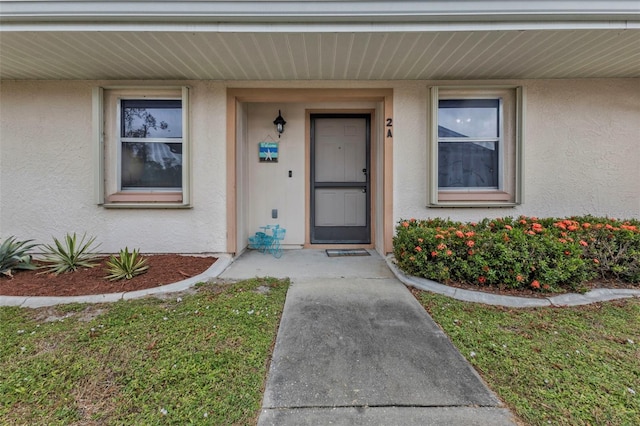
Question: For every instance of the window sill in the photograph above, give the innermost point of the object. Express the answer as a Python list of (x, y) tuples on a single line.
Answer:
[(480, 196), (472, 204), (146, 206), (474, 199), (149, 200), (145, 197)]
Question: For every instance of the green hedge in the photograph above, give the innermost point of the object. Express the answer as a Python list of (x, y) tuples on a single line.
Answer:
[(548, 254)]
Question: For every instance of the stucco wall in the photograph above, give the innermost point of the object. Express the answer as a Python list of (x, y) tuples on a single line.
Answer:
[(581, 156), (269, 184), (47, 172), (583, 148), (581, 151)]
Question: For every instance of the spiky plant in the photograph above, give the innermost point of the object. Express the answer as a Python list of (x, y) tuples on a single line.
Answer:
[(69, 255), (15, 255), (126, 266)]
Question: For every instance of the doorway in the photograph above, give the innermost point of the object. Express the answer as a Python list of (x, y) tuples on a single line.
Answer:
[(340, 149)]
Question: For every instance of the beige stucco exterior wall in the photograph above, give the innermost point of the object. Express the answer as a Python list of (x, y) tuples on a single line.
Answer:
[(269, 183), (581, 156), (581, 151), (47, 172), (583, 148)]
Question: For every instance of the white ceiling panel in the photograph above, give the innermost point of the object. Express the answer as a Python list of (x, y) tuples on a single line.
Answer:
[(577, 53)]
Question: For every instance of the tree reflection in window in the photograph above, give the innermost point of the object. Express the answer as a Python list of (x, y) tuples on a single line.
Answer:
[(151, 137)]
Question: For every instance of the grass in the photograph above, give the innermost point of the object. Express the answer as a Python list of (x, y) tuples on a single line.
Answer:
[(202, 358), (198, 358), (561, 366)]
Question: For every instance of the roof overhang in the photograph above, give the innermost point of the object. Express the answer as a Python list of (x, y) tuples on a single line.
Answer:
[(289, 40), (319, 11)]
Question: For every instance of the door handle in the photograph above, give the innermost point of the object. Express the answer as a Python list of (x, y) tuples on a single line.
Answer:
[(364, 190), (364, 171)]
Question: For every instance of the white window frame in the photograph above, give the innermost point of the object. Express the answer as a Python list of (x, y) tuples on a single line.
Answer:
[(107, 103), (510, 141)]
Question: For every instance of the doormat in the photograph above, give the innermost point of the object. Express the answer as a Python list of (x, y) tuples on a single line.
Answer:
[(351, 252)]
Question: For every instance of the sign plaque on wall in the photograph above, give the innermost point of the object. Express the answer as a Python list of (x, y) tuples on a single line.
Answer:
[(268, 152)]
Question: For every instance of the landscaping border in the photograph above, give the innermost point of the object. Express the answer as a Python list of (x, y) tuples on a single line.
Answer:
[(568, 299), (222, 262)]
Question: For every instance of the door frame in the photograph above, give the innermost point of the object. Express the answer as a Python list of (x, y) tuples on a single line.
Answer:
[(369, 166), (237, 96)]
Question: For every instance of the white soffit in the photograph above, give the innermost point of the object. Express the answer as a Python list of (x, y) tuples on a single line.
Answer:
[(310, 40)]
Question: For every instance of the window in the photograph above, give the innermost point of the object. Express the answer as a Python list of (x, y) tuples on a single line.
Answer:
[(151, 144), (143, 155), (475, 146)]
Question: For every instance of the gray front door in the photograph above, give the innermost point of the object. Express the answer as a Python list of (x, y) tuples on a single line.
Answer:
[(340, 184)]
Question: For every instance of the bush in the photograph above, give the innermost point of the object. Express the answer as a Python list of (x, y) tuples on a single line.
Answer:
[(70, 255), (612, 247), (127, 265), (15, 255), (548, 254)]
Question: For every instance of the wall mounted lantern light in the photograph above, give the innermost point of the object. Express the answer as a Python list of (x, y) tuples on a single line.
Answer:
[(279, 122)]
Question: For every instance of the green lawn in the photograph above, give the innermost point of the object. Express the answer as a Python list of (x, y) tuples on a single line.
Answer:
[(197, 358), (202, 359), (560, 366)]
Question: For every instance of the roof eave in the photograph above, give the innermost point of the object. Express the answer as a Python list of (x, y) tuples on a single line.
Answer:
[(317, 12)]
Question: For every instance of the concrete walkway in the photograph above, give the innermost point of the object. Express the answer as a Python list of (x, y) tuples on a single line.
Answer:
[(354, 347)]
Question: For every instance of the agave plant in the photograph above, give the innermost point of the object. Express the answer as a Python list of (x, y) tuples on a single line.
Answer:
[(69, 255), (15, 255), (126, 265)]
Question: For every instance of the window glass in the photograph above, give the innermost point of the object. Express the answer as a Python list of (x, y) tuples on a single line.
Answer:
[(471, 118), (463, 162), (148, 160), (151, 165), (467, 165), (151, 119)]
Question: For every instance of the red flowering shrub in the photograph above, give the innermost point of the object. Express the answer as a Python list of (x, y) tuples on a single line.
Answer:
[(611, 247), (546, 254)]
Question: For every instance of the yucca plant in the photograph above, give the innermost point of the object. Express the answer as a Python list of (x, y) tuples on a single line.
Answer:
[(15, 255), (126, 265), (69, 255)]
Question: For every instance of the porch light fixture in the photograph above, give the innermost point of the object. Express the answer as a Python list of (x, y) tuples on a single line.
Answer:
[(279, 122)]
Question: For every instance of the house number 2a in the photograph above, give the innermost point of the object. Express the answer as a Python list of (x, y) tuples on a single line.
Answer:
[(389, 127)]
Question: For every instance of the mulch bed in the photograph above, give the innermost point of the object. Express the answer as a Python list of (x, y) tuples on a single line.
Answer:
[(171, 268), (163, 269)]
